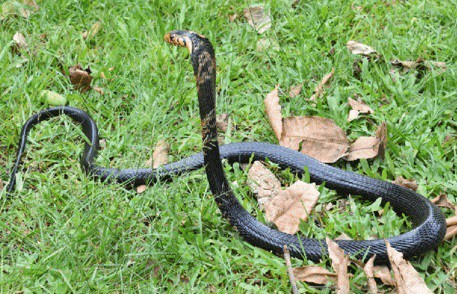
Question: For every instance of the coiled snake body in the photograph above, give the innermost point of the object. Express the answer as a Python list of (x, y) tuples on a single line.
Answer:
[(429, 223)]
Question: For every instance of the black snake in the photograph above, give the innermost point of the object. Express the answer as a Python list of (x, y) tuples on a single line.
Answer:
[(429, 223)]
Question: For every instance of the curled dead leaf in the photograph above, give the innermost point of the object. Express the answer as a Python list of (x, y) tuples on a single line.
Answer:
[(358, 106), (320, 87), (222, 121), (369, 147), (263, 183), (361, 49), (273, 110), (442, 201), (340, 262), (314, 274), (265, 44), (319, 137), (407, 278), (258, 18), (343, 236), (410, 184), (80, 78), (289, 206), (20, 42), (160, 154), (419, 64), (383, 273), (451, 229), (368, 269)]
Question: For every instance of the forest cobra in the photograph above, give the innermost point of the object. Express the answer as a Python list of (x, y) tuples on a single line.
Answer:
[(428, 220)]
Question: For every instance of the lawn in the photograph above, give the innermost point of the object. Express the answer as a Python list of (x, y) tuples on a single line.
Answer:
[(63, 231)]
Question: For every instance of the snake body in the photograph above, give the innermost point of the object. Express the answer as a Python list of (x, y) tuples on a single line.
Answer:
[(428, 220)]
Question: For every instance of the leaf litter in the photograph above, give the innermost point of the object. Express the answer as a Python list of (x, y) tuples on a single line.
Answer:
[(258, 18)]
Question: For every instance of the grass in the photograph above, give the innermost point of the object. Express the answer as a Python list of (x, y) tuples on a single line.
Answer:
[(65, 232)]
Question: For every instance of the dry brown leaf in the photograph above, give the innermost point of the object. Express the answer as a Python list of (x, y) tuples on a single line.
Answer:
[(140, 189), (410, 184), (258, 18), (419, 64), (407, 278), (80, 78), (361, 49), (102, 143), (383, 273), (381, 135), (340, 262), (368, 269), (222, 121), (358, 106), (19, 41), (343, 236), (1, 184), (451, 231), (314, 274), (319, 137), (160, 154), (294, 91), (442, 201), (96, 27), (363, 147), (451, 221), (273, 110), (23, 8), (263, 183), (287, 208), (320, 87)]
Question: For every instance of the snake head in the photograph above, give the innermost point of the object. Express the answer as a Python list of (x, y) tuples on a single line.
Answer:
[(184, 39)]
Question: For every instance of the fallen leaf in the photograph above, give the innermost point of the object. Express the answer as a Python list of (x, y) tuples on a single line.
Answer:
[(263, 183), (258, 18), (407, 278), (358, 106), (160, 154), (368, 269), (287, 208), (96, 27), (442, 201), (343, 236), (320, 87), (363, 147), (222, 121), (273, 110), (410, 184), (381, 135), (80, 78), (140, 189), (319, 137), (419, 64), (1, 184), (314, 274), (294, 91), (340, 262), (19, 41), (361, 49), (383, 273), (451, 230)]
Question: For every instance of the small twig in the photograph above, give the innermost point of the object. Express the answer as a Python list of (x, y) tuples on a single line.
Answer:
[(289, 270)]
